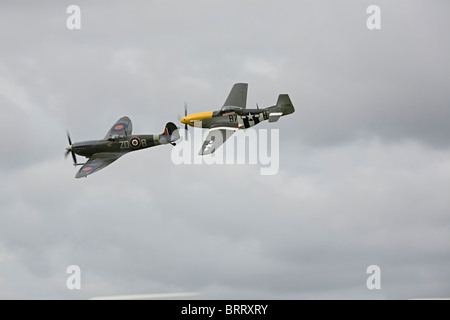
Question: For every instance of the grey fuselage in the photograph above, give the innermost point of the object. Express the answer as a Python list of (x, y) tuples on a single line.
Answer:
[(119, 144), (240, 118)]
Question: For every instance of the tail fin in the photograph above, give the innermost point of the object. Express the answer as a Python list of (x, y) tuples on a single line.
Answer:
[(284, 104), (171, 130), (283, 107)]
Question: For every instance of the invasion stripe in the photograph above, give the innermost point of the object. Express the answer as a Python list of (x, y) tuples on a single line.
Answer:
[(246, 123)]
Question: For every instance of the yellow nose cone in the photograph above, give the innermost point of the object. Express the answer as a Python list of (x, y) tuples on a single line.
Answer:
[(189, 119)]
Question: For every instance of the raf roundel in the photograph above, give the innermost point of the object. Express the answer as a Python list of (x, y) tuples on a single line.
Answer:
[(120, 127), (135, 142)]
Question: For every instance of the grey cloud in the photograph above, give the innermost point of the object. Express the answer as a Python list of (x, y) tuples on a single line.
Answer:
[(363, 161)]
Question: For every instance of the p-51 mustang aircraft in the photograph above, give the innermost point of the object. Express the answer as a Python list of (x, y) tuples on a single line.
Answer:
[(117, 142), (234, 116)]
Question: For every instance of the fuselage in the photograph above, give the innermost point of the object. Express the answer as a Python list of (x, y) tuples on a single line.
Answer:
[(118, 144), (230, 117), (237, 118)]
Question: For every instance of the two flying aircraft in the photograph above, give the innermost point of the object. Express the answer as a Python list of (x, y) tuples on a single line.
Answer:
[(222, 123)]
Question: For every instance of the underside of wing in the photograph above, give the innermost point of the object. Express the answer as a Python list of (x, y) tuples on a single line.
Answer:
[(122, 126), (216, 137), (237, 96), (97, 162)]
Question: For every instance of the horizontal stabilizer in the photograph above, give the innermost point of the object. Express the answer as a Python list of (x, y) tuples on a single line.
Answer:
[(274, 116)]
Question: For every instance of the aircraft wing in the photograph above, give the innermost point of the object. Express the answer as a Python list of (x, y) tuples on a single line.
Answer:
[(216, 137), (122, 126), (97, 162), (237, 96)]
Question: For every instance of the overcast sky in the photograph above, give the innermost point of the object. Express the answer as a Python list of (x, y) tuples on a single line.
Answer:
[(364, 174)]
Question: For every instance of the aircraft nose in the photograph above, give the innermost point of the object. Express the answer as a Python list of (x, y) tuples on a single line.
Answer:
[(69, 148), (183, 120)]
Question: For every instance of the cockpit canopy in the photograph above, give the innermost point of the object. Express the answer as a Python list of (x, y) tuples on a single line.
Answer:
[(115, 137), (229, 109)]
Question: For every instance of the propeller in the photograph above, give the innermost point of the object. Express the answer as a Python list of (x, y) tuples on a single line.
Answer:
[(185, 125), (69, 150)]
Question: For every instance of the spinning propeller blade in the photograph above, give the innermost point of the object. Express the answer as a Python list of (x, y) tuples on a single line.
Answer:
[(70, 150), (185, 125)]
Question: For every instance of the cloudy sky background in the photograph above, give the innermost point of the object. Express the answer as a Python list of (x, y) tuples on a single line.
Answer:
[(364, 173)]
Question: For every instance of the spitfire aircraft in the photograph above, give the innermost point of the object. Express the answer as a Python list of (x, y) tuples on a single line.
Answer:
[(117, 142), (234, 116)]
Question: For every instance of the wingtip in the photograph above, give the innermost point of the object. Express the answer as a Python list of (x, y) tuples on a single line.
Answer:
[(80, 175)]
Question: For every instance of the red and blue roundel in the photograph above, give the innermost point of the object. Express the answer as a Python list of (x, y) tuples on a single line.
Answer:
[(118, 127), (135, 142), (88, 169)]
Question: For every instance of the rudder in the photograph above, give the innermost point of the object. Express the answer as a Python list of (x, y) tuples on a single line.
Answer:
[(284, 104), (171, 130)]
